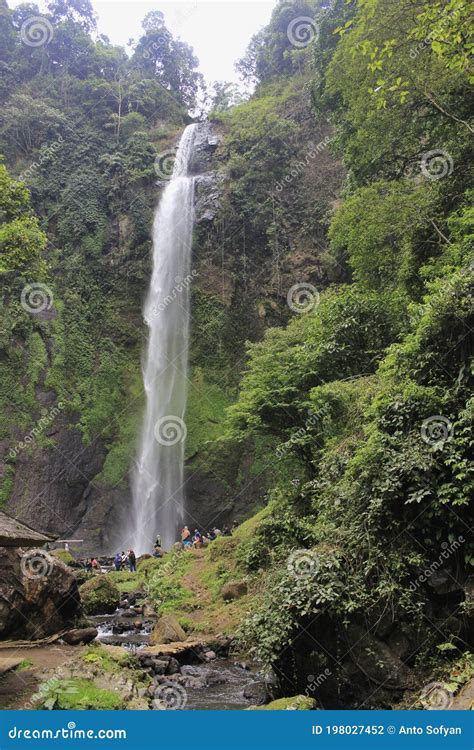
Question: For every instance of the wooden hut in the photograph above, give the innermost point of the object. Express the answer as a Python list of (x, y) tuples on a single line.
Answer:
[(16, 534)]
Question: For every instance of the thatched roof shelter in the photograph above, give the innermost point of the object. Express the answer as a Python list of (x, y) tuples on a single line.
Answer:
[(16, 534)]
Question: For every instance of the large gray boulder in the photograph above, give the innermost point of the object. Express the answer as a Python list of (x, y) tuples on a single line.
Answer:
[(38, 595), (167, 630)]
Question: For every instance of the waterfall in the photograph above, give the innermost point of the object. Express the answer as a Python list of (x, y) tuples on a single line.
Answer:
[(157, 483)]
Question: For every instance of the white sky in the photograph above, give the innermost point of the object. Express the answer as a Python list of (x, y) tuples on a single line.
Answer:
[(218, 30)]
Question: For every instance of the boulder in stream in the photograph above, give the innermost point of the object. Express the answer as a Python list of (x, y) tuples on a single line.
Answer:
[(167, 630), (80, 635), (99, 596)]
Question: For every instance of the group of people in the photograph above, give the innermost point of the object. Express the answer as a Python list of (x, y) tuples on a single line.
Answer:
[(122, 561), (189, 540), (201, 539), (92, 564)]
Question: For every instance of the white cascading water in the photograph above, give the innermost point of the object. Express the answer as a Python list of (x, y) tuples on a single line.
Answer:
[(158, 476)]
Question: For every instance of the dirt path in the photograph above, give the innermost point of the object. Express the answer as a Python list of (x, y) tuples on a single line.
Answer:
[(16, 688), (192, 579)]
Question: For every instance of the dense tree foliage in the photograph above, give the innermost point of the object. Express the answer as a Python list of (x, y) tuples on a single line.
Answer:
[(370, 391)]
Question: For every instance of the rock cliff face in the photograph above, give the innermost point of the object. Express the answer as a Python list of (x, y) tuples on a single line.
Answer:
[(59, 484), (38, 595), (59, 488)]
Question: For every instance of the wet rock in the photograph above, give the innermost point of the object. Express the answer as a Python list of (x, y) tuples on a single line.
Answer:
[(205, 143), (80, 635), (99, 596), (257, 693), (208, 192), (158, 705), (233, 590), (160, 666), (375, 659), (38, 594), (167, 630), (173, 666), (138, 704)]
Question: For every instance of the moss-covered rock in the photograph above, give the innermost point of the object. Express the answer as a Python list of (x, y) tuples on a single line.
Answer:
[(233, 590), (99, 596), (296, 703), (167, 630), (63, 555)]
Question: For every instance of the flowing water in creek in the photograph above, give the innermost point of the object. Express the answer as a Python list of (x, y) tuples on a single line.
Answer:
[(223, 681), (158, 476)]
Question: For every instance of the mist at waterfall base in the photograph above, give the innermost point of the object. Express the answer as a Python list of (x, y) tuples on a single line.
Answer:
[(157, 484)]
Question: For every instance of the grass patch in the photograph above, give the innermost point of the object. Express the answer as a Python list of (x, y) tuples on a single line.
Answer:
[(80, 694)]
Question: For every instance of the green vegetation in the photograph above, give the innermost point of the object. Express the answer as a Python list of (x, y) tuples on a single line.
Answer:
[(369, 393), (105, 659), (349, 170), (99, 595), (296, 703), (79, 694)]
